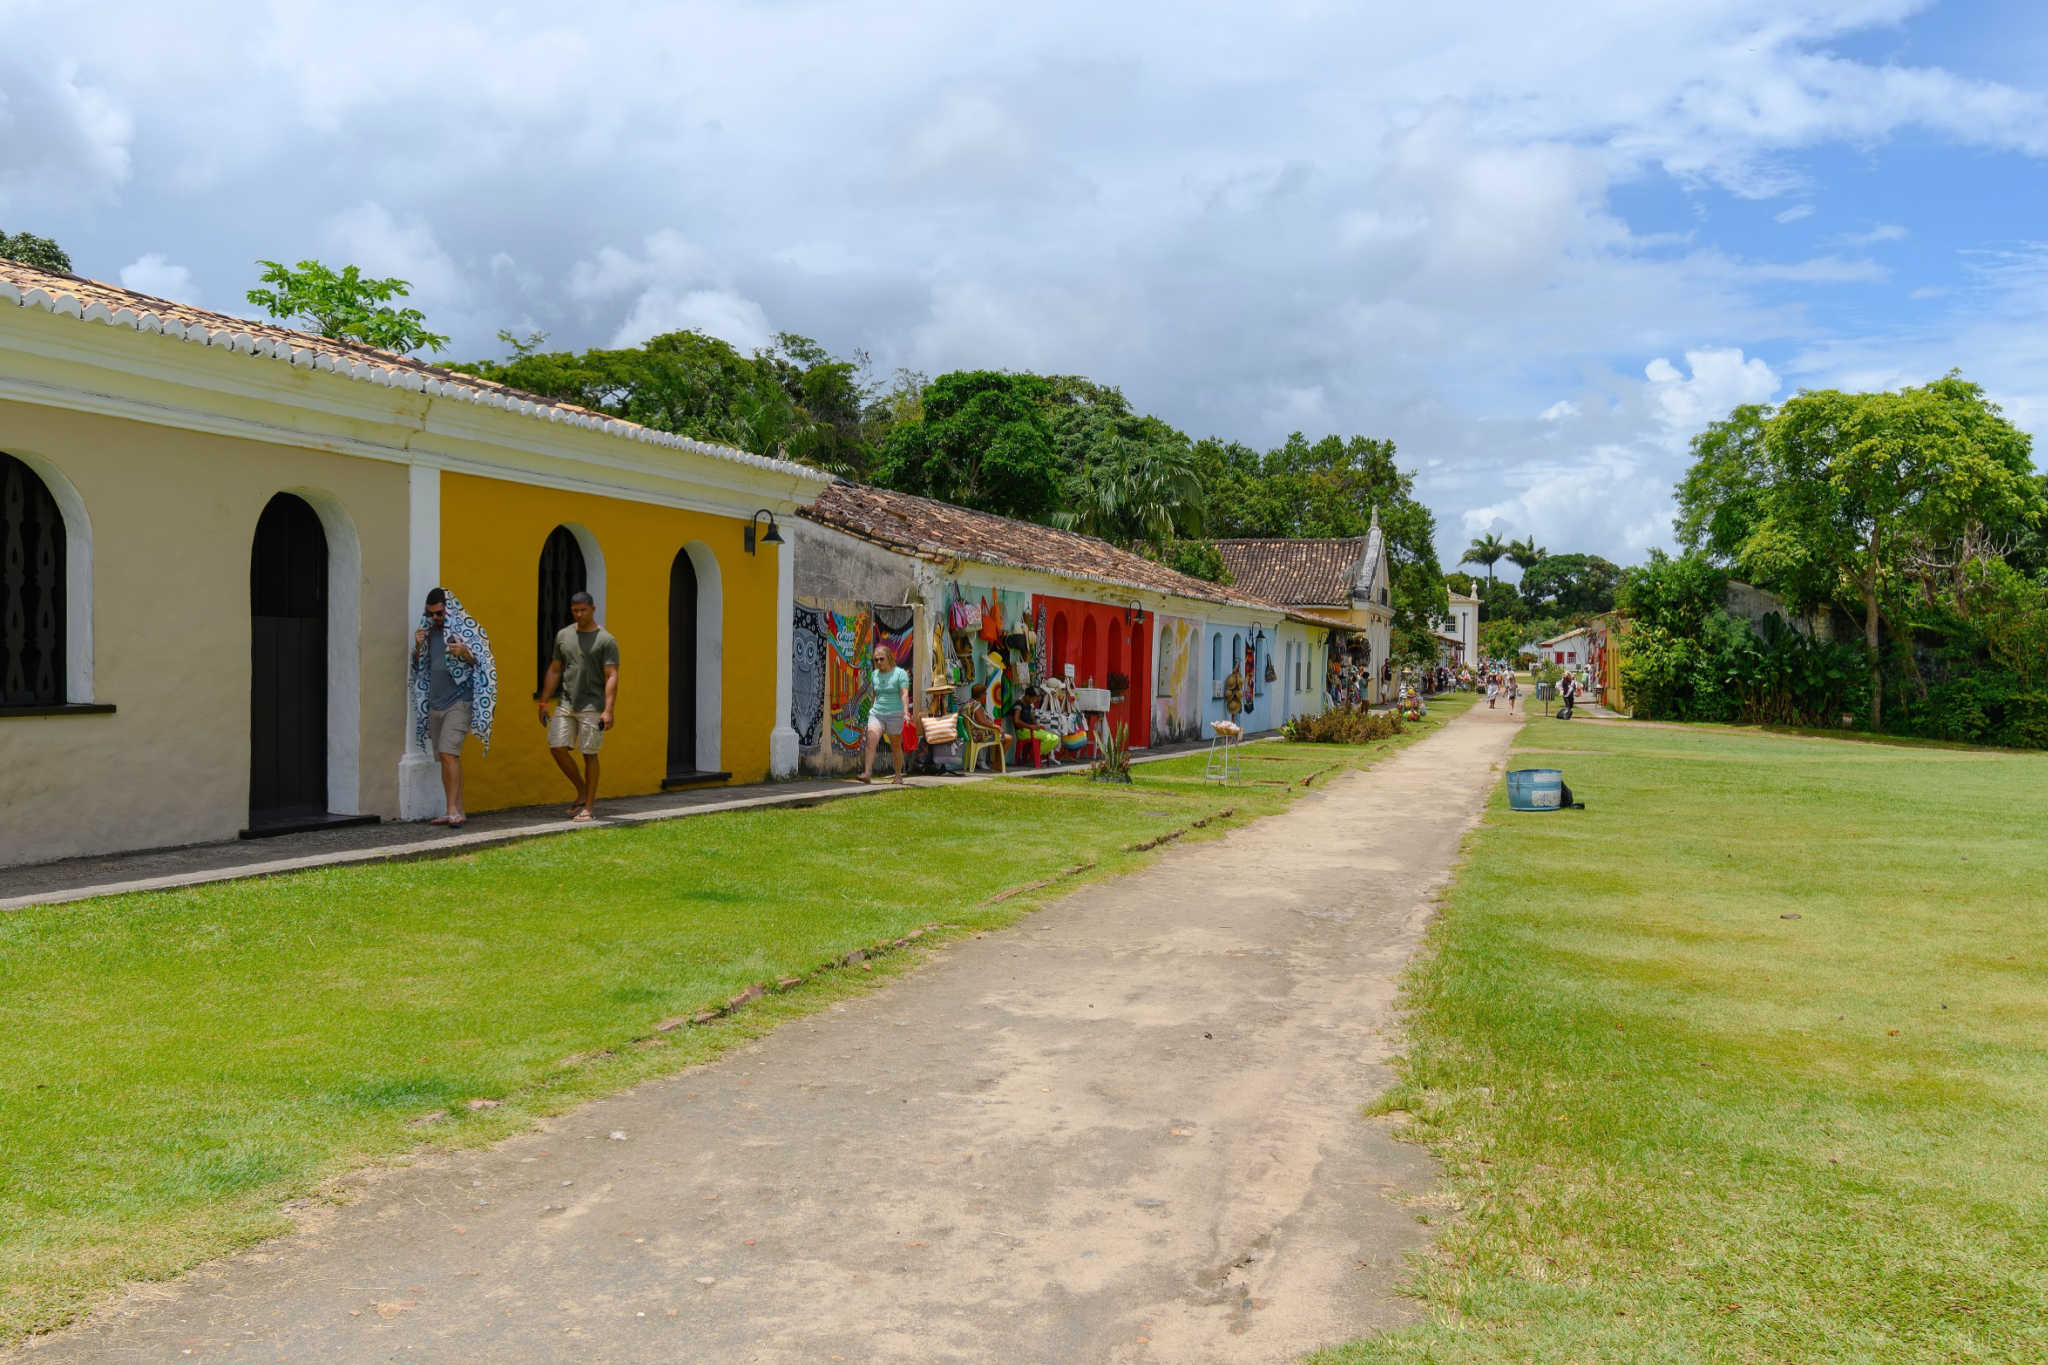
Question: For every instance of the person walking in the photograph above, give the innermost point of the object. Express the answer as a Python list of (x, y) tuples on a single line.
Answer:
[(1514, 692), (1569, 691), (584, 672), (890, 712), (454, 690), (1492, 690)]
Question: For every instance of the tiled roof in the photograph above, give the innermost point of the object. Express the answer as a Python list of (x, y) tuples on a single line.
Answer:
[(939, 530), (92, 301), (1298, 572)]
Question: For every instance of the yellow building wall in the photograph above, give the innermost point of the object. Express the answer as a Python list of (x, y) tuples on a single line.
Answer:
[(492, 532)]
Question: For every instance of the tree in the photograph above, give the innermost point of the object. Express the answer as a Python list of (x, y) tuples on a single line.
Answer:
[(29, 249), (985, 441), (344, 306), (1132, 480), (1570, 585), (1866, 499), (1524, 554), (1489, 550)]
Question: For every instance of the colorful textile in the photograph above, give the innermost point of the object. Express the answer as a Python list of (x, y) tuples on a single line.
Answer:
[(482, 675)]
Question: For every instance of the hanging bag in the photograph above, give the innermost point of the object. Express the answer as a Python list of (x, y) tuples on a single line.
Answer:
[(992, 620), (964, 615), (1272, 674)]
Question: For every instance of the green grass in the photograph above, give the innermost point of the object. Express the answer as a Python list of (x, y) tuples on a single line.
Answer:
[(175, 1066), (1677, 1125)]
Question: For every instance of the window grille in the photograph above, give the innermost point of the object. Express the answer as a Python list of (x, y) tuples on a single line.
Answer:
[(31, 589)]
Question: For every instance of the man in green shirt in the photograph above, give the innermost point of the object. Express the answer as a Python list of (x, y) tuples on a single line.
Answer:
[(585, 673)]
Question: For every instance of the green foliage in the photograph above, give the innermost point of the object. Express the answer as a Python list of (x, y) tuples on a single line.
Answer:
[(1131, 480), (344, 306), (1489, 550), (1343, 725), (985, 442), (1525, 553), (1197, 559), (1686, 658), (1569, 585), (1501, 636), (29, 249), (1112, 761)]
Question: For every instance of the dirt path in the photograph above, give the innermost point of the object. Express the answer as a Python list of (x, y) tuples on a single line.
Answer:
[(1126, 1130)]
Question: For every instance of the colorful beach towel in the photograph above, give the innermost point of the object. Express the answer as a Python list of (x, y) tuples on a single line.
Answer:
[(482, 675)]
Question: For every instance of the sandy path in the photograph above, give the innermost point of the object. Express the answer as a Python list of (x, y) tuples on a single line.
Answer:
[(1127, 1129)]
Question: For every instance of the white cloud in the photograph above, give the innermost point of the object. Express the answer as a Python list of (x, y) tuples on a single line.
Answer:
[(714, 312), (370, 236), (1721, 379), (62, 138), (152, 274), (1558, 411), (1883, 232), (1794, 214)]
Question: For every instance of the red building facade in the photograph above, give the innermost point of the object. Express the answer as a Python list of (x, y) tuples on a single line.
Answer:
[(1099, 640)]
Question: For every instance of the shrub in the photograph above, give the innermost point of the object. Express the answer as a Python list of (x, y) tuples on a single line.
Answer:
[(1343, 725)]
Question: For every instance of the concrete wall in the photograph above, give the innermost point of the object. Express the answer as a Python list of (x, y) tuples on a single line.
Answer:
[(834, 567), (172, 519)]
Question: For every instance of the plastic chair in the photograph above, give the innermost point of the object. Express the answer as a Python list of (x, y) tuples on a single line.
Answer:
[(977, 735), (1030, 744)]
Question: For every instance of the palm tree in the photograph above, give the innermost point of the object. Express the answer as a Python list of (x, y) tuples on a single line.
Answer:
[(1489, 550), (1526, 554)]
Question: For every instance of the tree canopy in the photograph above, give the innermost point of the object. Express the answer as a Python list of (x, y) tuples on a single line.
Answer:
[(29, 249), (344, 305)]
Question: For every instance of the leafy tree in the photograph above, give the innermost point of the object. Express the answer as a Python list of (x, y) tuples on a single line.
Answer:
[(1863, 497), (1720, 500), (1132, 480), (985, 441), (1488, 549), (1570, 585), (1197, 559), (29, 249), (344, 306)]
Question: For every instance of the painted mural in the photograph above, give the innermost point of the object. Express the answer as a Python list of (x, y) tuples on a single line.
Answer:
[(1176, 701), (830, 694)]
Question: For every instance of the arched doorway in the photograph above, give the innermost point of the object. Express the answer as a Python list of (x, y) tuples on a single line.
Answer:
[(1119, 710), (563, 574), (287, 666), (1089, 674), (682, 666), (1058, 658)]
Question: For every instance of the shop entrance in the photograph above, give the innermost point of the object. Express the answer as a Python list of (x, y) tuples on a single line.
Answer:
[(287, 668)]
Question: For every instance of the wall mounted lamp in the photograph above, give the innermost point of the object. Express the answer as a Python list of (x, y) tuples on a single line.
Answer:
[(773, 536), (1134, 615)]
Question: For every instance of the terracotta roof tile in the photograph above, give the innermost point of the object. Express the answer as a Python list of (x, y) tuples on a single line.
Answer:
[(94, 301), (1297, 572), (937, 530)]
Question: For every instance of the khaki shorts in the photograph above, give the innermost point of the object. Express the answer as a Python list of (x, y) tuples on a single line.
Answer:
[(578, 730), (447, 729)]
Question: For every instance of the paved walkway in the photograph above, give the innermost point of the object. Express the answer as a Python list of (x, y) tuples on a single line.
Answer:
[(1126, 1129), (165, 869)]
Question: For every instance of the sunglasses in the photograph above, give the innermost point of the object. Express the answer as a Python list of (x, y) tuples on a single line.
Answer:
[(437, 612)]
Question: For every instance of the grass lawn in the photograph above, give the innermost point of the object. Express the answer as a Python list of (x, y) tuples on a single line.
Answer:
[(174, 1066), (1743, 1062)]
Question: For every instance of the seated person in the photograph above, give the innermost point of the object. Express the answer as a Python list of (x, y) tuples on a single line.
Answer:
[(1027, 721)]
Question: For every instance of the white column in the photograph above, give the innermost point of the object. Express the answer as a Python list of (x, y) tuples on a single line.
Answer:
[(782, 745), (419, 776)]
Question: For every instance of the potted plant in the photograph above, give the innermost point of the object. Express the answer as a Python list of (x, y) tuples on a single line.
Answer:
[(1119, 684)]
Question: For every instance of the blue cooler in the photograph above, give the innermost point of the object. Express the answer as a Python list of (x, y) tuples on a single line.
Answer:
[(1538, 789)]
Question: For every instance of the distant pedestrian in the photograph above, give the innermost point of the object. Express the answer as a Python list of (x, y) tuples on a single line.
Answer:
[(1514, 692), (1492, 690), (584, 670), (1569, 691), (454, 691)]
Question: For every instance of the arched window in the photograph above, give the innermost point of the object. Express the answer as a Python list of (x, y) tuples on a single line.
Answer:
[(562, 575), (32, 590), (1216, 657)]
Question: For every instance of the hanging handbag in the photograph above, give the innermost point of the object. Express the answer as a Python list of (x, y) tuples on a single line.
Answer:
[(992, 620), (941, 729), (963, 614), (1272, 674)]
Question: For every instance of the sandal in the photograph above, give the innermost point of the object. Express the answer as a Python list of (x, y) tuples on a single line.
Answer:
[(440, 820), (581, 817), (458, 822)]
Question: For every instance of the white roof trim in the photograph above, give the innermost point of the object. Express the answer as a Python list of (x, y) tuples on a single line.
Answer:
[(66, 304)]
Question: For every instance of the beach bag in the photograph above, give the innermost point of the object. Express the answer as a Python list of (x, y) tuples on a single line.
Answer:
[(963, 614), (941, 729), (992, 620), (1272, 674)]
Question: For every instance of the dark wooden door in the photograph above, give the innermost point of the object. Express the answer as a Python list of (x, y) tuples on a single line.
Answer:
[(682, 666), (288, 664), (563, 574)]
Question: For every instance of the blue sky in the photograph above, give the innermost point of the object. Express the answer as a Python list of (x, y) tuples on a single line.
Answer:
[(1536, 245)]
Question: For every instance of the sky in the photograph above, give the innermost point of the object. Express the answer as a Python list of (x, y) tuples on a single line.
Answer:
[(1537, 245)]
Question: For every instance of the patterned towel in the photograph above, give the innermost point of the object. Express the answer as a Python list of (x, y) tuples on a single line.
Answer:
[(483, 674)]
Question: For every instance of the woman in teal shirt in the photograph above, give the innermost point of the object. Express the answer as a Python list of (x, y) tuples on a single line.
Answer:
[(892, 708)]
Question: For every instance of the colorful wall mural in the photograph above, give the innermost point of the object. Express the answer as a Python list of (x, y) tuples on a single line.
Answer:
[(1177, 692), (830, 695)]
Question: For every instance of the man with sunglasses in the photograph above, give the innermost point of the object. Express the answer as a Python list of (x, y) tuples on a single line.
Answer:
[(449, 699)]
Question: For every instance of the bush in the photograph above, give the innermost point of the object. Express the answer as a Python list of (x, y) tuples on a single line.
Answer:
[(1343, 725)]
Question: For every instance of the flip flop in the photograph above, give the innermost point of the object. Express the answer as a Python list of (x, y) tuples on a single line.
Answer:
[(865, 781), (440, 820), (581, 817), (458, 824)]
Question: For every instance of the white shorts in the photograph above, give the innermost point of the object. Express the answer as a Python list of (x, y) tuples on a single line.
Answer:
[(578, 730)]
